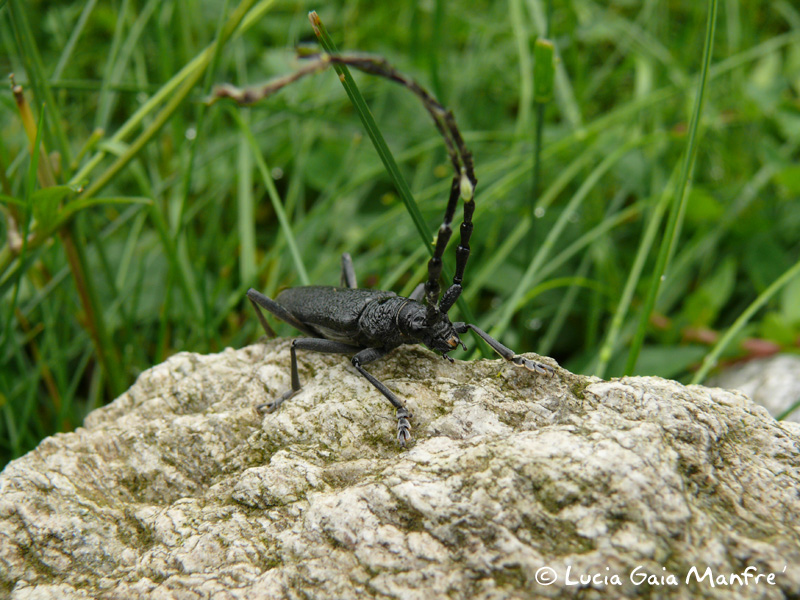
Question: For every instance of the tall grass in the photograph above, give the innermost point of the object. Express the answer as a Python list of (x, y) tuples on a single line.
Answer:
[(134, 217)]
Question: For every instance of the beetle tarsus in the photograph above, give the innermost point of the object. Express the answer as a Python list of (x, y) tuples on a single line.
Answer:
[(532, 365), (271, 407), (403, 426)]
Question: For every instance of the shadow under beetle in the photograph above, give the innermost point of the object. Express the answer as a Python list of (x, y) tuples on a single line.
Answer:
[(370, 323)]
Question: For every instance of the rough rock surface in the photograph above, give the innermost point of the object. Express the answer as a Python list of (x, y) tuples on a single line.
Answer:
[(772, 382), (516, 485)]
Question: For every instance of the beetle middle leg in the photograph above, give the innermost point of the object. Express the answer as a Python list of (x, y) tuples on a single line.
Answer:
[(315, 344)]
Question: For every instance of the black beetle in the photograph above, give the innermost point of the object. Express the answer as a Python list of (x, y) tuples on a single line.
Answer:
[(370, 323)]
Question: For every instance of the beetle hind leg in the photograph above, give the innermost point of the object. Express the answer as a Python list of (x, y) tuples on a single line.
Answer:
[(259, 301)]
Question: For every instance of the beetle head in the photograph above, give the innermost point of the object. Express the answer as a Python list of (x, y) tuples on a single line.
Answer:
[(436, 332)]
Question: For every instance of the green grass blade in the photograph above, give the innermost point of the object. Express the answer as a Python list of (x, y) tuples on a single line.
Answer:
[(788, 411), (274, 197), (174, 91), (38, 76), (172, 105), (185, 277), (679, 203), (374, 133), (101, 114), (541, 256), (611, 341), (73, 239), (118, 63), (30, 186), (74, 36), (710, 361), (522, 38), (567, 103), (556, 323)]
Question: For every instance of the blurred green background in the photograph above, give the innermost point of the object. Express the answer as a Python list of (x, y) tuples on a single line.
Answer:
[(134, 225)]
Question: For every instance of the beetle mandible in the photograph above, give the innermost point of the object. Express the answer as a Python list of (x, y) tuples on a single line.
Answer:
[(370, 323)]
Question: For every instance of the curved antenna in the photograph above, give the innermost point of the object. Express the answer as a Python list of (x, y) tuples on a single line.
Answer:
[(464, 180)]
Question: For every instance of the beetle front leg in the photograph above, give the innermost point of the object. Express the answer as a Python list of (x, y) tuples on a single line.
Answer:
[(505, 352), (403, 415)]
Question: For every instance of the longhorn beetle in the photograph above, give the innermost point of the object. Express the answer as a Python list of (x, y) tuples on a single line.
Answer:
[(370, 323)]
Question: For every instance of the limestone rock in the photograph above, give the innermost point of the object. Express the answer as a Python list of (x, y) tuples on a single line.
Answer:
[(515, 486)]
